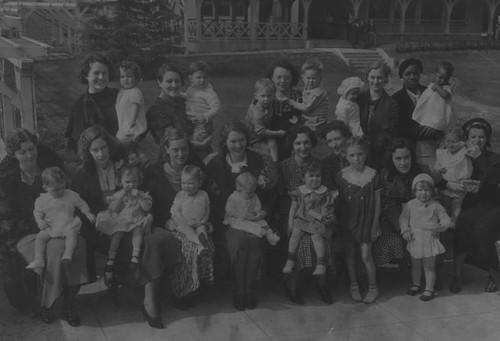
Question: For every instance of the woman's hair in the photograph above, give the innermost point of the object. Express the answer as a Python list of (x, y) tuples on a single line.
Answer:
[(292, 134), (287, 65), (174, 134), (457, 132), (379, 65), (356, 141), (313, 166), (264, 84), (479, 123), (167, 67), (53, 175), (16, 138), (88, 136), (130, 169), (336, 125), (409, 62), (446, 66), (314, 64), (87, 62), (246, 179), (129, 65), (228, 127), (399, 143), (194, 171), (199, 66)]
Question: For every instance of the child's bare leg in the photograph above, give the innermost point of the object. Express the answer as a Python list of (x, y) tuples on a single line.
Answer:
[(366, 255), (416, 274), (137, 239), (293, 244), (351, 271), (456, 206), (201, 231), (319, 247), (40, 246), (430, 272), (189, 233), (71, 242), (273, 149)]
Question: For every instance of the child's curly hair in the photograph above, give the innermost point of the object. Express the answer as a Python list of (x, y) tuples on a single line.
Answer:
[(312, 167), (356, 141), (199, 66), (194, 171), (457, 132), (129, 65), (130, 169), (53, 175), (314, 64)]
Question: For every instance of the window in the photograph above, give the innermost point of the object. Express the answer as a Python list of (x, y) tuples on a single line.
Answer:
[(432, 11), (380, 9), (208, 9), (410, 11), (459, 13)]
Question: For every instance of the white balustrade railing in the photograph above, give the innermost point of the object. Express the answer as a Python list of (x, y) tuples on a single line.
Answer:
[(239, 30)]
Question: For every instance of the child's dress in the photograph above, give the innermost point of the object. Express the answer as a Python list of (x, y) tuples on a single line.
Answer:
[(458, 167), (202, 103), (348, 112), (60, 212), (316, 105), (131, 216), (312, 207), (237, 209), (193, 209), (128, 130), (357, 204), (422, 219), (434, 111)]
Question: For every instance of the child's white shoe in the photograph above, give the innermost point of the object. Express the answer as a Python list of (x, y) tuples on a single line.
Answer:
[(355, 294), (371, 295), (320, 270), (288, 268), (37, 263)]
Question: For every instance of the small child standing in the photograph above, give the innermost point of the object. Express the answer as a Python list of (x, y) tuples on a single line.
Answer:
[(55, 216), (434, 107), (359, 210), (191, 208), (315, 100), (421, 221), (312, 210), (128, 211), (259, 117), (202, 104), (347, 109), (132, 125), (243, 209), (455, 165)]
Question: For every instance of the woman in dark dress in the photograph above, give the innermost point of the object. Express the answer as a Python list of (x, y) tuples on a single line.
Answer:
[(246, 251), (20, 186), (477, 228), (97, 105), (378, 113)]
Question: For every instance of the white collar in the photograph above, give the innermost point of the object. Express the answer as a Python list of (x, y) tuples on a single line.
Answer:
[(315, 92), (320, 190), (358, 179), (236, 166)]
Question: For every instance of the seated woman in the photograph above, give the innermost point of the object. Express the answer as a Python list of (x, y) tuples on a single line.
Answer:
[(477, 229), (95, 180), (20, 185), (246, 250), (397, 176), (301, 140), (163, 182)]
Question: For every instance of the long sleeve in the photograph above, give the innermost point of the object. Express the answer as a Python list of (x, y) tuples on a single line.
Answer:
[(444, 218), (404, 219), (213, 103), (80, 203), (38, 212)]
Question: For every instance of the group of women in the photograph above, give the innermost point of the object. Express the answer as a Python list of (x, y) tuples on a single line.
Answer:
[(385, 120)]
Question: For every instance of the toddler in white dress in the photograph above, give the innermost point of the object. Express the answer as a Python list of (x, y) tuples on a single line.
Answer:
[(347, 109), (55, 216), (421, 221)]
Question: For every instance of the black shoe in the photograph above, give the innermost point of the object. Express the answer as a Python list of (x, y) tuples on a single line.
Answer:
[(491, 286), (239, 302), (72, 317), (414, 290), (250, 300), (154, 322), (326, 297), (293, 296), (47, 315), (427, 295)]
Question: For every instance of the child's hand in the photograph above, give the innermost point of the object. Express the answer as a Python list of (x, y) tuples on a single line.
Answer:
[(294, 119), (436, 87), (281, 133), (91, 217), (199, 119), (440, 228), (45, 225), (328, 218), (407, 235)]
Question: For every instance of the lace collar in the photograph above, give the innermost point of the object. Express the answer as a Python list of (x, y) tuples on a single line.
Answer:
[(448, 159), (358, 179), (314, 92), (320, 190)]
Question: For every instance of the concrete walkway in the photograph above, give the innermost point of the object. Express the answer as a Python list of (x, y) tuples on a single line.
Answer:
[(470, 315)]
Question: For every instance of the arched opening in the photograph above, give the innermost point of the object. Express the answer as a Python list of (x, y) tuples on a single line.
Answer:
[(328, 19)]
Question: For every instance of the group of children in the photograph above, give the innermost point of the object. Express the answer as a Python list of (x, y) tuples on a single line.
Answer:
[(354, 208)]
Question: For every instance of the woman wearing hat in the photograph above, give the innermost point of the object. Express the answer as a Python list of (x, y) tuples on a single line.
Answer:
[(425, 139), (477, 228)]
